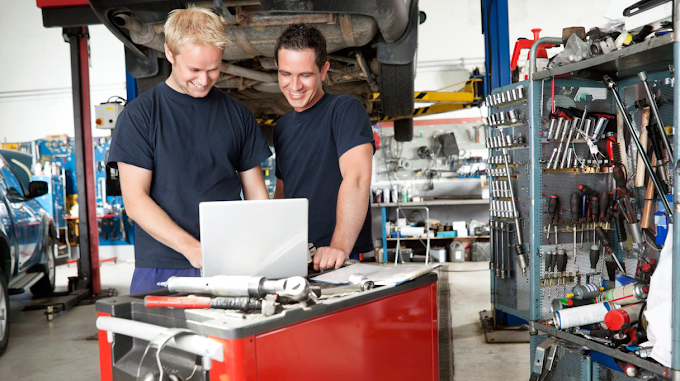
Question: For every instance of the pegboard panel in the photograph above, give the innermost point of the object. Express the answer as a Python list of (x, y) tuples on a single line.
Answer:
[(513, 291), (568, 365), (602, 373)]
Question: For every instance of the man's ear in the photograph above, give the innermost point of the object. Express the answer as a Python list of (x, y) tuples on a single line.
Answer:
[(168, 54), (324, 70)]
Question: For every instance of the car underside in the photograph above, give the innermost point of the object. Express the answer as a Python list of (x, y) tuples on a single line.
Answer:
[(370, 44)]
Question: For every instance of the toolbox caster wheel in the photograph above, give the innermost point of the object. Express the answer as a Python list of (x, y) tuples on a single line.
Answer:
[(49, 313)]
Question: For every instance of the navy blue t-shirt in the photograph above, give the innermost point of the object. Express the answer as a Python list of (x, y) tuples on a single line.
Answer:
[(308, 147), (194, 147)]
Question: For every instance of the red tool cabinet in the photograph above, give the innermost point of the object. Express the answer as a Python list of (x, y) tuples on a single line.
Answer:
[(388, 333)]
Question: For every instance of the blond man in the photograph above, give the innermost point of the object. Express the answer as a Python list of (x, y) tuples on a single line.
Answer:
[(181, 143)]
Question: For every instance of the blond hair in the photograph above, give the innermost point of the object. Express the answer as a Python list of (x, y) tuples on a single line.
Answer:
[(194, 25)]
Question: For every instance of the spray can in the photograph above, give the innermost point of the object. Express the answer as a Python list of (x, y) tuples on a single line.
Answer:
[(584, 315), (628, 294), (586, 291), (620, 280), (627, 314)]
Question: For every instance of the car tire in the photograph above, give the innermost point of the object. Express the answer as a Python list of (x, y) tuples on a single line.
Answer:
[(403, 130), (45, 285), (4, 314), (396, 89), (164, 69)]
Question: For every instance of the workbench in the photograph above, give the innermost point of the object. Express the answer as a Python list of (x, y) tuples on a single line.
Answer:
[(387, 333)]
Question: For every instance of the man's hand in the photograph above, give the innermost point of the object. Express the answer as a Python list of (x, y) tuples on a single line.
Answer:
[(193, 254), (328, 257)]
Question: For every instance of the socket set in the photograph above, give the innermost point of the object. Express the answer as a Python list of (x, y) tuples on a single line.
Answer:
[(498, 172), (504, 141), (502, 209), (502, 118), (508, 96), (499, 189), (498, 160), (590, 128)]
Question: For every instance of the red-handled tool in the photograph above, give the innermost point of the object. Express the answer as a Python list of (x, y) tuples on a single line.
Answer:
[(193, 302)]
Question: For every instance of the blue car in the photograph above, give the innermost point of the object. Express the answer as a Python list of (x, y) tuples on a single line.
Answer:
[(28, 242)]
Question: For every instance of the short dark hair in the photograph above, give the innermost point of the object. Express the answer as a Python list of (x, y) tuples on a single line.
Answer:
[(300, 37)]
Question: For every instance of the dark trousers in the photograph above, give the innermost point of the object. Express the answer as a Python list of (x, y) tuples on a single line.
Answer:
[(146, 279)]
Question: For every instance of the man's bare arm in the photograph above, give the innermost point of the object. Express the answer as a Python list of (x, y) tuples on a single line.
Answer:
[(278, 191), (253, 184), (353, 197), (135, 184)]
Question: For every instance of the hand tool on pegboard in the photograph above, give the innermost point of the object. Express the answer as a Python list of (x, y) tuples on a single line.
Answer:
[(575, 206), (611, 85), (553, 206), (644, 135), (519, 244), (642, 76), (604, 238)]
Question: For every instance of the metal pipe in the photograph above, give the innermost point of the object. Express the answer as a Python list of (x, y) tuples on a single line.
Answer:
[(611, 85), (248, 73), (675, 316), (139, 33), (534, 50), (655, 110)]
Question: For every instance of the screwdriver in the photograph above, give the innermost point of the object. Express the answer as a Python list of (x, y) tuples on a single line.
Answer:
[(594, 255), (575, 210), (602, 235), (594, 209), (553, 203), (604, 205), (562, 262), (587, 190), (584, 214)]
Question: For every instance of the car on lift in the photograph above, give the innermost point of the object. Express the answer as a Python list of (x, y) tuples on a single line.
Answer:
[(27, 236), (371, 47)]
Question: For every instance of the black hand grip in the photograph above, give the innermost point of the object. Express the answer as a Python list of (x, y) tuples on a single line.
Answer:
[(584, 206), (594, 207), (553, 261), (553, 204), (561, 261), (604, 204), (575, 206), (619, 177), (587, 190), (594, 256), (602, 236)]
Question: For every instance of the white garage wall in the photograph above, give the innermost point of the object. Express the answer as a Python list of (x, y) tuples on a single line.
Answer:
[(35, 90), (35, 95)]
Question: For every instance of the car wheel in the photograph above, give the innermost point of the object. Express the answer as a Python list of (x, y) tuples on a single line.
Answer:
[(403, 130), (396, 89), (4, 314), (45, 285)]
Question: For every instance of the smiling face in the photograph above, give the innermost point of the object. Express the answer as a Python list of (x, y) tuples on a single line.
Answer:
[(195, 69), (300, 79)]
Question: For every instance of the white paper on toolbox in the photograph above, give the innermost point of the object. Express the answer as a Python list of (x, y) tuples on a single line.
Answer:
[(659, 303)]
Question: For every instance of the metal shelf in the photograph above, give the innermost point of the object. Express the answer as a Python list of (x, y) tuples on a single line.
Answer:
[(432, 203), (613, 352), (468, 238), (652, 55)]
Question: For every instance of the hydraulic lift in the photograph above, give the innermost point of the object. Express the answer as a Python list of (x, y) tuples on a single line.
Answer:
[(73, 16)]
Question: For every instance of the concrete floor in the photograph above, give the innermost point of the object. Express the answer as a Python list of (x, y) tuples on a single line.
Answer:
[(66, 348)]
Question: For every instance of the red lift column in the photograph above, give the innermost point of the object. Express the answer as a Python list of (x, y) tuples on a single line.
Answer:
[(88, 265)]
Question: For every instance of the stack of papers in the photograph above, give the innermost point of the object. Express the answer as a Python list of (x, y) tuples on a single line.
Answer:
[(381, 275)]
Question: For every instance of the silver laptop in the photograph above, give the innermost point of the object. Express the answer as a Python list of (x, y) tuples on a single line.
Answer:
[(256, 238)]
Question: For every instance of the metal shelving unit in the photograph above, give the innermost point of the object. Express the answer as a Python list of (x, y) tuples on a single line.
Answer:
[(526, 296)]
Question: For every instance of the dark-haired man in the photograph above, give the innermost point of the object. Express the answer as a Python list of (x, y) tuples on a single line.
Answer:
[(324, 149)]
